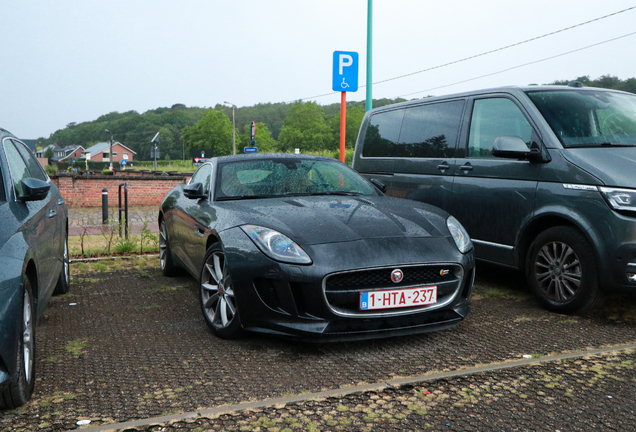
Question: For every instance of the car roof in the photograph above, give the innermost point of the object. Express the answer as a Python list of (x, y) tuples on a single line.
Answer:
[(503, 89)]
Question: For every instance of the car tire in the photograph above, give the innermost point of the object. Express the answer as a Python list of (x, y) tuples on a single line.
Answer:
[(21, 384), (563, 273), (165, 254), (64, 279), (218, 302)]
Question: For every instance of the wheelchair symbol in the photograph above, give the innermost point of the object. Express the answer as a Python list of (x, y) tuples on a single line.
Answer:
[(344, 85)]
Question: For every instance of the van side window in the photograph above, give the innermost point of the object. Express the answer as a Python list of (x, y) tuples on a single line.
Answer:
[(427, 131), (493, 118), (430, 131), (383, 134)]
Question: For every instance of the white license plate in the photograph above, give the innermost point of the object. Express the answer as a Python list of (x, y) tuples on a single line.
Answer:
[(399, 298)]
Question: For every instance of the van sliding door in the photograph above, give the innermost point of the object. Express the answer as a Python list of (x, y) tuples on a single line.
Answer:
[(493, 197)]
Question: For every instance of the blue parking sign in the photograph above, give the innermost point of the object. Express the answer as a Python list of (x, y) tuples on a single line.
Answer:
[(345, 71)]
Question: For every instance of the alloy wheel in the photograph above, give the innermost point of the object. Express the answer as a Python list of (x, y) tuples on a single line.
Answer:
[(558, 271), (67, 273), (217, 294), (27, 337), (163, 245)]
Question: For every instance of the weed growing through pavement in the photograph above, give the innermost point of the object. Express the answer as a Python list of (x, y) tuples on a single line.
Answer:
[(76, 347), (125, 246), (109, 235), (147, 237)]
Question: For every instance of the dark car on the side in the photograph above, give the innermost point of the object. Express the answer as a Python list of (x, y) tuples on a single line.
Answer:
[(304, 247), (33, 262)]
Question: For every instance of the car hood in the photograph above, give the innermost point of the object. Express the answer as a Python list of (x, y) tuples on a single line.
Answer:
[(614, 166), (328, 219)]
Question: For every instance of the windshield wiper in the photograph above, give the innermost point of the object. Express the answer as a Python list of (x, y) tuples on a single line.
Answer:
[(242, 197), (342, 193)]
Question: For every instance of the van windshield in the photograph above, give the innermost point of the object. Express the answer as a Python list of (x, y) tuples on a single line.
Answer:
[(588, 118)]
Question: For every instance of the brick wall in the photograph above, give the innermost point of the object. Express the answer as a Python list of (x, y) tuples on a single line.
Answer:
[(86, 191)]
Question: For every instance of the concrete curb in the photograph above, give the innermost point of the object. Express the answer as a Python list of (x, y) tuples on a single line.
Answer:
[(398, 382)]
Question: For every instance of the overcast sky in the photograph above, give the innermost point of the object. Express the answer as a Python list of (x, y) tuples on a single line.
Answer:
[(73, 60)]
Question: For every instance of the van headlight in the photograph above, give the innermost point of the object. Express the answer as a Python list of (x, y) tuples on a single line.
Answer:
[(459, 234), (275, 245), (619, 199)]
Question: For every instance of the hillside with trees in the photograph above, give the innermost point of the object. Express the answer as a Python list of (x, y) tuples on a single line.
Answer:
[(279, 126)]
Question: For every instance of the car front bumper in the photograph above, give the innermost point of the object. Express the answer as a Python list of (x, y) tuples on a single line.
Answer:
[(298, 300)]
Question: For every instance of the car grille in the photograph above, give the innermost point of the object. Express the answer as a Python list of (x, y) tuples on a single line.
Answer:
[(342, 290)]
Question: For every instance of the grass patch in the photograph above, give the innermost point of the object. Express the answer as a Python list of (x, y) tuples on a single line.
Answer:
[(96, 245), (75, 347)]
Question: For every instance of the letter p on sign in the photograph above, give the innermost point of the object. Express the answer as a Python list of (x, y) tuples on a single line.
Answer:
[(345, 71)]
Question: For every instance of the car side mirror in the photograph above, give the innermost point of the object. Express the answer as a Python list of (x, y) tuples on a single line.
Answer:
[(378, 184), (513, 147), (34, 189), (194, 191)]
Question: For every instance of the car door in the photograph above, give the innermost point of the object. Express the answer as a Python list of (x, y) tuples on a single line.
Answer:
[(494, 197), (57, 211), (38, 223), (192, 221)]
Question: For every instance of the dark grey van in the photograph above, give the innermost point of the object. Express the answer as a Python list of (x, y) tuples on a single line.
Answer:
[(543, 179)]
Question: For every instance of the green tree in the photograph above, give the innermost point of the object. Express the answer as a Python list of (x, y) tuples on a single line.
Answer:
[(264, 140), (48, 154), (305, 128), (213, 131)]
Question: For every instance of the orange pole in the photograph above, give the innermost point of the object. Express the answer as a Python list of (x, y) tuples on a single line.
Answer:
[(343, 124)]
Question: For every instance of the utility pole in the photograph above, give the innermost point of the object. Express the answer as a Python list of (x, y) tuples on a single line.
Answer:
[(233, 127), (110, 153), (369, 103), (154, 149)]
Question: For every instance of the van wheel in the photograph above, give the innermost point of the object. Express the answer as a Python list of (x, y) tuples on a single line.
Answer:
[(562, 271)]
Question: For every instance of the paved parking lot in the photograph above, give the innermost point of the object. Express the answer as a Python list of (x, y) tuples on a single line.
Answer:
[(128, 343)]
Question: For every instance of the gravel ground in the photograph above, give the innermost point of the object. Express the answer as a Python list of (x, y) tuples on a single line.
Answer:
[(128, 343)]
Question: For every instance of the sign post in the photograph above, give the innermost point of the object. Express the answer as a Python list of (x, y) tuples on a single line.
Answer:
[(345, 79), (252, 146)]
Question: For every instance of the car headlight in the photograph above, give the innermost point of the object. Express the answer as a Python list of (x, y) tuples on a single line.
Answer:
[(275, 245), (459, 234), (619, 199)]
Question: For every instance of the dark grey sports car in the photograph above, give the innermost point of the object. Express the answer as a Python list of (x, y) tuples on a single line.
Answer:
[(305, 247)]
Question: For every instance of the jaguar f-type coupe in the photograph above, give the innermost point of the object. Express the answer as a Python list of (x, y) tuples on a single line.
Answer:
[(304, 247)]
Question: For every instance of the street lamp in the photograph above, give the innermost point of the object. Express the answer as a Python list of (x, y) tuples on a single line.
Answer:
[(110, 153), (233, 127)]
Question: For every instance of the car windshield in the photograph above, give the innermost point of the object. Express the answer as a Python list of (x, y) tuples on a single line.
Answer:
[(589, 118), (287, 177)]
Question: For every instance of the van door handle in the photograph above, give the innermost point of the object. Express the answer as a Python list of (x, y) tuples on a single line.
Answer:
[(199, 231), (443, 166), (467, 167), (52, 213)]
